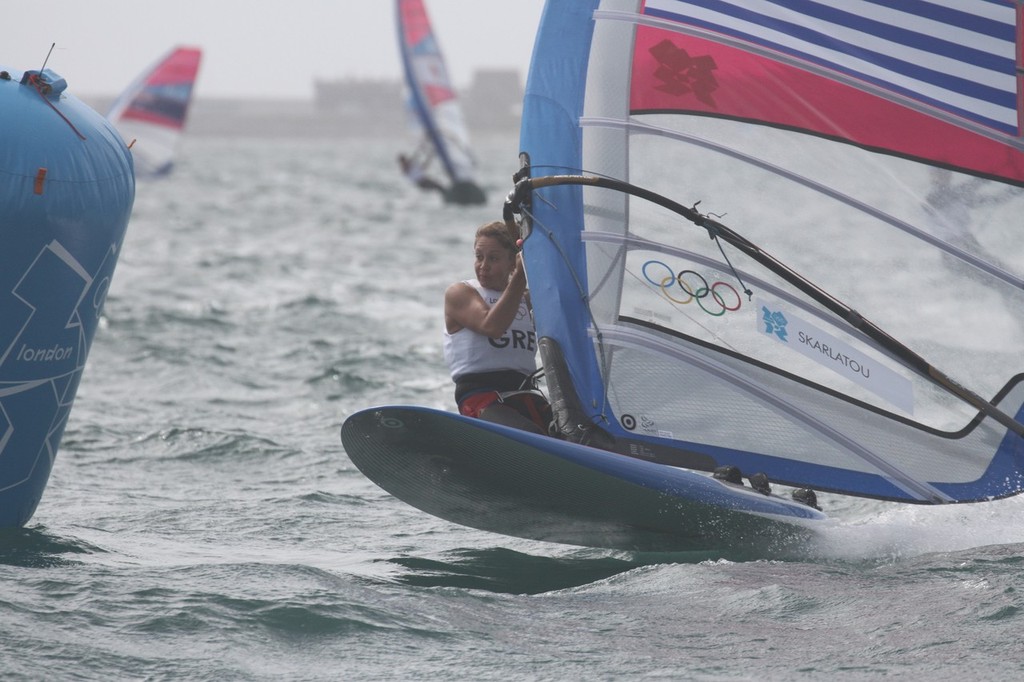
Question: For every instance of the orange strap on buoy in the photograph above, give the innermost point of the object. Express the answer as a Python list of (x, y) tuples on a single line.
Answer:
[(40, 176)]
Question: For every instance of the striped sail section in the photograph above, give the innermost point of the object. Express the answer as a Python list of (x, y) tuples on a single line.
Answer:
[(969, 46)]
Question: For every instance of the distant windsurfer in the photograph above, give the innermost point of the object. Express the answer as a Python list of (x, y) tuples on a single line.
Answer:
[(414, 168), (490, 343)]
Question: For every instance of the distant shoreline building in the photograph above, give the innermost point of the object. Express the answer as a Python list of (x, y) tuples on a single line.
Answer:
[(493, 101), (349, 108)]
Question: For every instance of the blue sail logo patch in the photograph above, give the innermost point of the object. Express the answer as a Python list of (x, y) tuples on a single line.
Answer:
[(853, 361), (774, 323)]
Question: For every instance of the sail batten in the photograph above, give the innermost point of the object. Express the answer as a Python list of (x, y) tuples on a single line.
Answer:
[(872, 151)]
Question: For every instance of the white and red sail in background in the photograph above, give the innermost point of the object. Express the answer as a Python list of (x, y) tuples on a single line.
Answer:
[(153, 110)]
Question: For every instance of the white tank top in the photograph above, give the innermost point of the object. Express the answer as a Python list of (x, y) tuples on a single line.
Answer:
[(468, 352)]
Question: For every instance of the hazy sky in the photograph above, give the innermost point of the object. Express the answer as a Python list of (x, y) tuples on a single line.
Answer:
[(256, 47)]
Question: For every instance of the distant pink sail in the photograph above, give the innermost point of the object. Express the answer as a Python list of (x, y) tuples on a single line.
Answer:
[(421, 45), (153, 110)]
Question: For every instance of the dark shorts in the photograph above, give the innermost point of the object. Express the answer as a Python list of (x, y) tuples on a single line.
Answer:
[(530, 404), (476, 392), (502, 381)]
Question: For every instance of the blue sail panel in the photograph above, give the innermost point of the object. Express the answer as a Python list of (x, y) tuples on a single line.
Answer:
[(552, 107)]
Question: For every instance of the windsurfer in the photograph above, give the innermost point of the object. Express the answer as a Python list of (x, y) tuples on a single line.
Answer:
[(414, 170), (490, 343)]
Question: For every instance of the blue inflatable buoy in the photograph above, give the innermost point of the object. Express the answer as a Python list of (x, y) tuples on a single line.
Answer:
[(67, 185)]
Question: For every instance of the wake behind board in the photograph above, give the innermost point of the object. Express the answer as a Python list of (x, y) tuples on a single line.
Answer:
[(516, 483)]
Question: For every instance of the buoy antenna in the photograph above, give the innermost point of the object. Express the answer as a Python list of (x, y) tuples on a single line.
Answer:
[(52, 45)]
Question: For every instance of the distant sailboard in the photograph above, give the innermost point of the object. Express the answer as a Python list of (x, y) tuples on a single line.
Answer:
[(434, 112), (760, 237), (151, 113)]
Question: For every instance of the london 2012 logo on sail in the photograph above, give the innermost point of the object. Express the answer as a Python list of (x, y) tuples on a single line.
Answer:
[(774, 323)]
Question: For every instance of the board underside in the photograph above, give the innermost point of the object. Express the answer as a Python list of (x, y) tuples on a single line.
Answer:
[(497, 479)]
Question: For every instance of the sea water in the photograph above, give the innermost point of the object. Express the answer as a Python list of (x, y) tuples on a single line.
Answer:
[(203, 521)]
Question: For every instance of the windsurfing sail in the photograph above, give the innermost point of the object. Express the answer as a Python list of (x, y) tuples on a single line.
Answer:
[(784, 236), (434, 112), (153, 109)]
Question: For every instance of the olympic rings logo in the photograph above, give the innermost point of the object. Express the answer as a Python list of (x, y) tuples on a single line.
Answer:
[(686, 279)]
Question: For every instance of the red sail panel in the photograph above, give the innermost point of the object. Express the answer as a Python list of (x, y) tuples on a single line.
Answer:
[(685, 74)]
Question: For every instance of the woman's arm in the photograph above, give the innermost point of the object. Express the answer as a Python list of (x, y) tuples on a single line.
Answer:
[(465, 308)]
